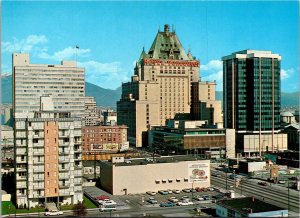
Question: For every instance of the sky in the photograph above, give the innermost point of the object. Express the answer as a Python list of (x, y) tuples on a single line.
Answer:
[(111, 35)]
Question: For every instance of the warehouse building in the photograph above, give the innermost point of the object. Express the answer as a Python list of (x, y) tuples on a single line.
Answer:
[(119, 176)]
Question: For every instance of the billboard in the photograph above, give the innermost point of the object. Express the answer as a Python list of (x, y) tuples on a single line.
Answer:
[(198, 172), (110, 147)]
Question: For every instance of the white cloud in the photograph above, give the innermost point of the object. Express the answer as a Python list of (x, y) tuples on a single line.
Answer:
[(285, 74), (212, 65), (30, 43), (107, 75), (67, 53), (213, 71)]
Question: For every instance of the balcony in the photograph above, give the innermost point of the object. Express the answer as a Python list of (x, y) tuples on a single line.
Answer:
[(64, 144), (21, 178), (78, 142), (79, 150), (64, 160), (64, 186), (78, 158), (64, 135), (37, 179), (38, 170), (38, 188), (78, 167), (64, 176), (38, 153), (21, 169), (38, 145), (21, 185)]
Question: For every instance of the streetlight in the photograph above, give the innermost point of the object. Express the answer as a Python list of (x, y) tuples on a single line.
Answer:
[(288, 196), (192, 190), (234, 181)]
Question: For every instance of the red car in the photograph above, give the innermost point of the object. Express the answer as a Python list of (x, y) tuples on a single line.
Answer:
[(198, 189), (101, 197), (262, 183)]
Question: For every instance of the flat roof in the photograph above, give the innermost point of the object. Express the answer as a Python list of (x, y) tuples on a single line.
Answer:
[(149, 160), (244, 205)]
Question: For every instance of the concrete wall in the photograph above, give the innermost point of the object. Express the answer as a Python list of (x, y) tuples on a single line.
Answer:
[(142, 178), (230, 143)]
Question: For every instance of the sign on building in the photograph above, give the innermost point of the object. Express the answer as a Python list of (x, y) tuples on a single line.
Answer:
[(198, 172)]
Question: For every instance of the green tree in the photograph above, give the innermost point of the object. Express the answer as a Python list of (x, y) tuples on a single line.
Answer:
[(79, 210)]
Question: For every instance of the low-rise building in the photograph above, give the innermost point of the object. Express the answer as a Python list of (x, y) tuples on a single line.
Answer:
[(185, 137), (248, 207), (139, 175), (293, 135), (91, 116), (101, 139), (7, 142), (110, 117)]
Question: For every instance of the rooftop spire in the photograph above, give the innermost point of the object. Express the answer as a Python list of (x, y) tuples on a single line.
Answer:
[(166, 28)]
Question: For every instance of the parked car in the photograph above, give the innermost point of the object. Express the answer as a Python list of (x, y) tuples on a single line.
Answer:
[(262, 183), (163, 192), (187, 190), (173, 199), (184, 203), (101, 197), (108, 208), (152, 201), (169, 191), (185, 198), (176, 191), (54, 213), (167, 204), (281, 182), (199, 198), (206, 197), (210, 189), (151, 193), (107, 202), (193, 190)]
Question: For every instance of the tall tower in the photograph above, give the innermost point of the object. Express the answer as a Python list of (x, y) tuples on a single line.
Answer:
[(160, 87), (64, 82), (251, 92)]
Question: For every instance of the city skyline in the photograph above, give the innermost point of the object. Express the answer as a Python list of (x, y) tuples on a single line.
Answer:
[(110, 44)]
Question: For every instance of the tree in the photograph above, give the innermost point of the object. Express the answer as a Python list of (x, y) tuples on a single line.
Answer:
[(79, 210)]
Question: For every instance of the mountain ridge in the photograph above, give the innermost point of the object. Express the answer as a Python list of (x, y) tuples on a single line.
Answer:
[(108, 97)]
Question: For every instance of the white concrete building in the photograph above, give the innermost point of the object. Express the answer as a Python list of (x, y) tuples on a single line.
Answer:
[(140, 175), (48, 157), (64, 82)]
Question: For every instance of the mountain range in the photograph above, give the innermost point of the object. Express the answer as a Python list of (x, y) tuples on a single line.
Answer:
[(108, 97)]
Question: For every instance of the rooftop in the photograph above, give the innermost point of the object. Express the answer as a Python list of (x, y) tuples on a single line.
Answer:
[(244, 205), (149, 160)]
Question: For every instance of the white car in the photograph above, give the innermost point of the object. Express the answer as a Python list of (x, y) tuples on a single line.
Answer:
[(186, 190), (54, 213), (151, 193), (170, 191), (176, 191), (184, 203), (173, 199), (108, 208), (198, 198), (108, 202)]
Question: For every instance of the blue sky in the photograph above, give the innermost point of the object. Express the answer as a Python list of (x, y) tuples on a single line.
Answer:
[(111, 35)]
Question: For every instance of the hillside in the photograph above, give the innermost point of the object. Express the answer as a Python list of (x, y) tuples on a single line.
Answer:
[(108, 97)]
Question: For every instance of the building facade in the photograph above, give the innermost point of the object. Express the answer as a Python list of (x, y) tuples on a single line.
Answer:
[(204, 105), (160, 87), (187, 137), (251, 93), (103, 139), (91, 117), (65, 82), (189, 173), (48, 160)]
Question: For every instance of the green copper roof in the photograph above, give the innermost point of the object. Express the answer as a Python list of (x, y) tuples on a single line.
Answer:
[(166, 45)]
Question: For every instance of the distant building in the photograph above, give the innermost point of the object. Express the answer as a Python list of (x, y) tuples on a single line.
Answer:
[(92, 118), (187, 137), (7, 142), (204, 105), (119, 176), (251, 97), (48, 160), (248, 207), (8, 115), (286, 118), (110, 117), (293, 134), (160, 87), (103, 139), (64, 82)]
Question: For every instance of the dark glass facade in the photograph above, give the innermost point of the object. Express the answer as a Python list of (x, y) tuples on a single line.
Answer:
[(251, 89)]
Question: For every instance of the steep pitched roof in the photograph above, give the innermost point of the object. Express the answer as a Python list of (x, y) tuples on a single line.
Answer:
[(166, 45)]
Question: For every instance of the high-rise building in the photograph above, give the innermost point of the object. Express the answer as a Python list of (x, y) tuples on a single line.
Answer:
[(92, 117), (64, 82), (160, 87), (251, 99), (48, 160), (204, 105)]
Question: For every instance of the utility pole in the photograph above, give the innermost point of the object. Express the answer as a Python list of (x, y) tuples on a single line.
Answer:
[(226, 178), (234, 180), (288, 197)]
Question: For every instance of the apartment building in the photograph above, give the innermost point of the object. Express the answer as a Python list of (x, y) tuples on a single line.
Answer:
[(160, 87), (48, 160), (92, 117), (64, 82)]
